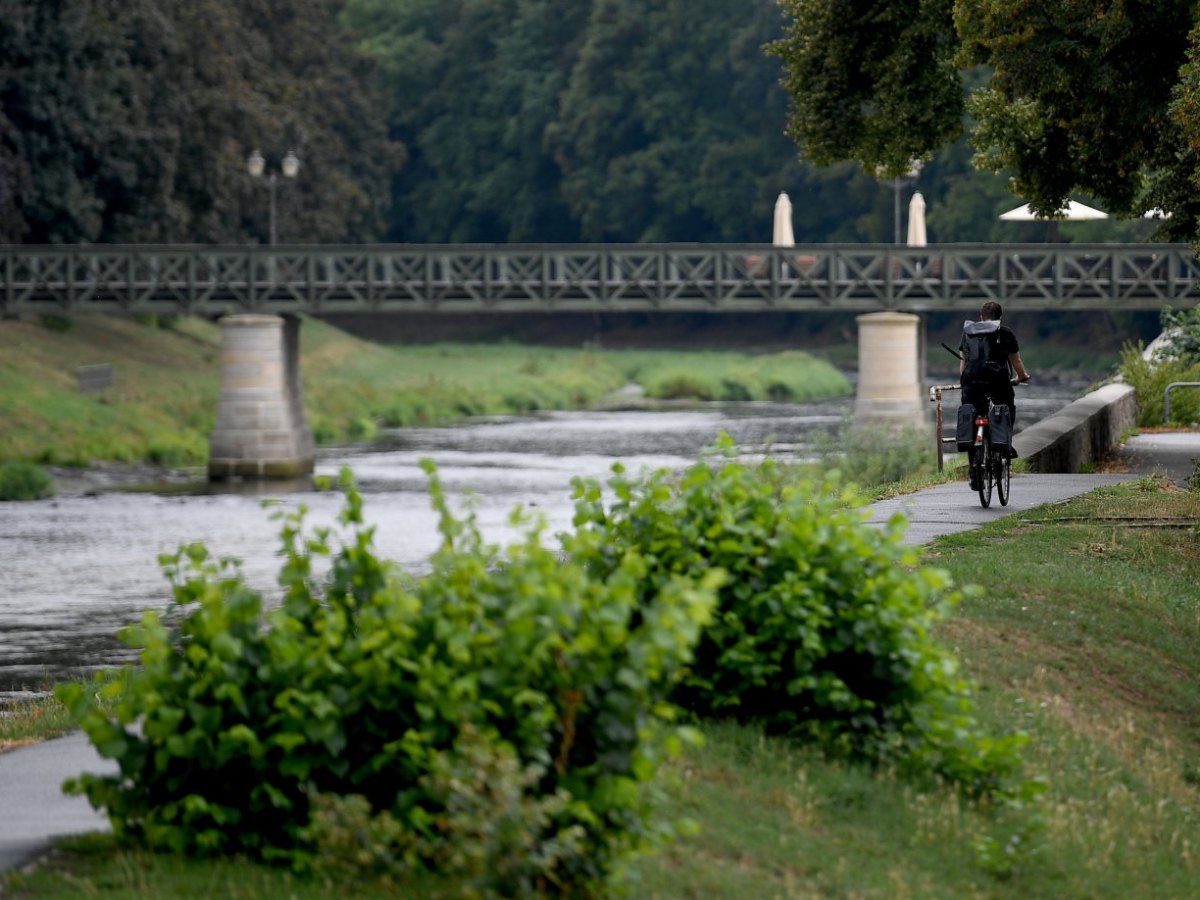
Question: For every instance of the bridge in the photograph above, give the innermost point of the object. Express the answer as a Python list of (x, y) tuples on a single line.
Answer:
[(258, 292), (221, 280)]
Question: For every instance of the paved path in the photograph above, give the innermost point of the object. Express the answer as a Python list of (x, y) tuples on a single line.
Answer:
[(951, 508), (1174, 453), (33, 809)]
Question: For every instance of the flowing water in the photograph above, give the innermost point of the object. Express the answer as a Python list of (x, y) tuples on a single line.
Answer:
[(73, 570)]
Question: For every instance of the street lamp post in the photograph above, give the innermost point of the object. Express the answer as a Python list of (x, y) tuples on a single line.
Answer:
[(289, 166)]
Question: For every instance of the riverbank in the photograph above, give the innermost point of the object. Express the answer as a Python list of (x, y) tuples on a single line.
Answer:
[(158, 400)]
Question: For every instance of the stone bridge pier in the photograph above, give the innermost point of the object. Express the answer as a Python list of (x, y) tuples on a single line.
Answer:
[(891, 370), (261, 429)]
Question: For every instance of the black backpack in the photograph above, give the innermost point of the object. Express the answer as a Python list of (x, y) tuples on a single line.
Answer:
[(979, 346)]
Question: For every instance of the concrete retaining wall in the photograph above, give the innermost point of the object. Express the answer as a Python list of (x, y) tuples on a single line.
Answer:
[(1081, 433)]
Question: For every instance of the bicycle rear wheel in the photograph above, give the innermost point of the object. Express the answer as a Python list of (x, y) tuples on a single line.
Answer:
[(986, 474), (1003, 475)]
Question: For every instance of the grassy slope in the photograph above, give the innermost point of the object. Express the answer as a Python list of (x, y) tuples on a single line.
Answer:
[(163, 402), (159, 408), (1084, 636)]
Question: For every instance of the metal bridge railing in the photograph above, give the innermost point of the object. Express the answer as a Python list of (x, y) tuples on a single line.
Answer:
[(582, 277)]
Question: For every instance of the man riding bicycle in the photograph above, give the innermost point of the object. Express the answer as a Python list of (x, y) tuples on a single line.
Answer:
[(989, 356)]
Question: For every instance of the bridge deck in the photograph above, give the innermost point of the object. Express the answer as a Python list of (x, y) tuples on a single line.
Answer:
[(212, 280)]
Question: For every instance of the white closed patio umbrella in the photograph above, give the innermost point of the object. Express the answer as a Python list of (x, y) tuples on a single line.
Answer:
[(782, 234), (916, 220)]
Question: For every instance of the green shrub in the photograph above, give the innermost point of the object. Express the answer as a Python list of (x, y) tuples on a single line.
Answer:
[(824, 628), (875, 456), (1150, 380), (1183, 326), (57, 322), (24, 481), (494, 833), (177, 451), (675, 384), (364, 683)]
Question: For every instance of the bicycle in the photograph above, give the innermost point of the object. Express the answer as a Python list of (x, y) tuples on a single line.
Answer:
[(996, 470)]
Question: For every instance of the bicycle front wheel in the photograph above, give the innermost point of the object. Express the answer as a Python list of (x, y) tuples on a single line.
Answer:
[(987, 475)]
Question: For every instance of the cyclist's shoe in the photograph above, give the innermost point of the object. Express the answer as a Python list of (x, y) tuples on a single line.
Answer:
[(1012, 453), (973, 480)]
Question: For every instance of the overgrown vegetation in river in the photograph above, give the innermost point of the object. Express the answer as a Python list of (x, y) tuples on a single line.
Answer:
[(161, 406)]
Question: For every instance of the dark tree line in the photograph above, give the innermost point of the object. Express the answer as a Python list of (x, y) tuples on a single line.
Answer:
[(608, 120), (465, 121), (131, 120)]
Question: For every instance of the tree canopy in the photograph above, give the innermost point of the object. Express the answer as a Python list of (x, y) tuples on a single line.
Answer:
[(131, 120), (600, 120), (1094, 96)]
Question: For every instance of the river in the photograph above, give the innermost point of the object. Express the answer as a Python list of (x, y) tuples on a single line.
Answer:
[(74, 569)]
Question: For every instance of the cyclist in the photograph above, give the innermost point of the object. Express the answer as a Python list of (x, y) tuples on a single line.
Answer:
[(989, 357)]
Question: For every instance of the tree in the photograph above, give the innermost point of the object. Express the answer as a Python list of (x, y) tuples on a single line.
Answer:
[(130, 121), (671, 127), (1085, 95)]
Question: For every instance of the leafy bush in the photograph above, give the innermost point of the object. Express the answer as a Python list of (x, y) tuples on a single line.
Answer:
[(176, 450), (364, 683), (24, 481), (57, 322), (681, 384), (824, 628), (495, 833), (1183, 326), (1150, 380), (869, 457)]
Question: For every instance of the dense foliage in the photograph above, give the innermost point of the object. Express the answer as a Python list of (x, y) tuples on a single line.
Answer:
[(24, 481), (367, 682), (1099, 97), (131, 121), (454, 120), (1176, 359), (824, 627)]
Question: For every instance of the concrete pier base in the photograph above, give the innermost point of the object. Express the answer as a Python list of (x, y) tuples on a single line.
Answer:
[(890, 370), (261, 430)]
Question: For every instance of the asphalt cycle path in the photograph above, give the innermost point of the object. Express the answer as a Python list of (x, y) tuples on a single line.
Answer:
[(33, 809), (953, 507)]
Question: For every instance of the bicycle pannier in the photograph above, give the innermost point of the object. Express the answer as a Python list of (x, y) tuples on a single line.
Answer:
[(964, 433), (1001, 425)]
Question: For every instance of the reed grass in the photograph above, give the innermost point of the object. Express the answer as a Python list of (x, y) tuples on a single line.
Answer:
[(30, 719)]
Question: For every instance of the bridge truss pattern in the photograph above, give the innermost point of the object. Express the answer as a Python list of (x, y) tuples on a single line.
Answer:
[(214, 280)]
